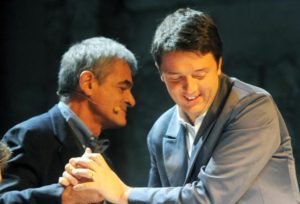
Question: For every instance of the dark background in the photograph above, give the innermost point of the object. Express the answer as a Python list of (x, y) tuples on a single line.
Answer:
[(261, 46)]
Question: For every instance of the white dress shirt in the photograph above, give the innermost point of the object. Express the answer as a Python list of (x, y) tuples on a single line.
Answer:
[(191, 129)]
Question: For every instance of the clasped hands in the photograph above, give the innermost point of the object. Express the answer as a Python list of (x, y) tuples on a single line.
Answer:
[(90, 174)]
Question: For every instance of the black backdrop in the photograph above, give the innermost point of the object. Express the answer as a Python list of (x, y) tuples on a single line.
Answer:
[(261, 41)]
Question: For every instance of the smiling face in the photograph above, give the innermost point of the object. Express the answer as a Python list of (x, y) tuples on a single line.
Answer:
[(192, 80), (111, 98)]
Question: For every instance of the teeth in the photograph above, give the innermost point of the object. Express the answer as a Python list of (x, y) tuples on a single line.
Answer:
[(190, 97)]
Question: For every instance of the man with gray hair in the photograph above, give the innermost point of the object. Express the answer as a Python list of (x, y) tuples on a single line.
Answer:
[(94, 88)]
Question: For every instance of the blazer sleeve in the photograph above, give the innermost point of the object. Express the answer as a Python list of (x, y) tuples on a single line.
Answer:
[(247, 143), (24, 178), (154, 179), (46, 194)]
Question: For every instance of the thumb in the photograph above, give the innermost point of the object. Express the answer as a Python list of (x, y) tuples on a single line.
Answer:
[(87, 152), (84, 186)]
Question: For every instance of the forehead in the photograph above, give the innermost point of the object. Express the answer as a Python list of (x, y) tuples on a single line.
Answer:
[(182, 60), (119, 70)]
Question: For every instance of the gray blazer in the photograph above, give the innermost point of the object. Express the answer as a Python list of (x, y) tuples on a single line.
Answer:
[(241, 154)]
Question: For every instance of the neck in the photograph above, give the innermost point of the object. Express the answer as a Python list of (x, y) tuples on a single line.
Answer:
[(80, 108)]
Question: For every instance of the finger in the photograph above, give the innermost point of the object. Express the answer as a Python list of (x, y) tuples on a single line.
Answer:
[(63, 181), (98, 159), (84, 186), (72, 161), (83, 162), (88, 150), (84, 173), (72, 179), (69, 168)]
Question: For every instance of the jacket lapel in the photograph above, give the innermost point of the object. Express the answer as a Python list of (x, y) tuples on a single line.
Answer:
[(70, 146), (204, 142), (175, 152)]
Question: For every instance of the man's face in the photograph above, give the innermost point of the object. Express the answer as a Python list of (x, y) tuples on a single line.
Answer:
[(192, 80), (113, 95)]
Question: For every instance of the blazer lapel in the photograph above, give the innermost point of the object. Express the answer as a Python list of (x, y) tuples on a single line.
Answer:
[(175, 152), (70, 146), (204, 142)]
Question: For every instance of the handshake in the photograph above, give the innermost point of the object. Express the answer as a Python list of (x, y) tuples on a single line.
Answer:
[(89, 179)]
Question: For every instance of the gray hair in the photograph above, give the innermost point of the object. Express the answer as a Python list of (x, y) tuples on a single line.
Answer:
[(92, 54)]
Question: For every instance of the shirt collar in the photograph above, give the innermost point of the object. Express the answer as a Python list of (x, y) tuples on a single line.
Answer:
[(182, 117), (80, 129)]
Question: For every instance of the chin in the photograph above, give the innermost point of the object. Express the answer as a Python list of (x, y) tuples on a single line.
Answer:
[(121, 123), (196, 111)]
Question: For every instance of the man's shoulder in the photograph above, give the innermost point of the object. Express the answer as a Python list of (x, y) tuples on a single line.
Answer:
[(247, 96), (244, 89), (165, 118), (161, 125), (245, 93), (36, 122), (36, 125)]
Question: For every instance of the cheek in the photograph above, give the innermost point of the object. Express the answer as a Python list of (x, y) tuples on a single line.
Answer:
[(212, 90), (173, 89)]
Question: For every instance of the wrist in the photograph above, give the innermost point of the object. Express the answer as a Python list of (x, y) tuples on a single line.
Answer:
[(124, 199)]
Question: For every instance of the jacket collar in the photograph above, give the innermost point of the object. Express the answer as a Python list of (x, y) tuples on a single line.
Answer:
[(178, 169), (204, 142), (70, 146), (174, 124)]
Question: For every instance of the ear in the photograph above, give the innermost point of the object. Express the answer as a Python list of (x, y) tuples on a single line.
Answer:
[(220, 65), (86, 82)]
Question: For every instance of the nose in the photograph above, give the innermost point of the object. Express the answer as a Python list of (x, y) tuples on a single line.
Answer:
[(190, 85), (129, 99)]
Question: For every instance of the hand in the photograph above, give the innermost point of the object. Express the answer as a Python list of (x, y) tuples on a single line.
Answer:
[(102, 178), (70, 196), (67, 178)]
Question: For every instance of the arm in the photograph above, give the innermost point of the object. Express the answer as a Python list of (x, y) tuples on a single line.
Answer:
[(34, 195), (247, 143), (32, 168), (154, 179), (23, 175)]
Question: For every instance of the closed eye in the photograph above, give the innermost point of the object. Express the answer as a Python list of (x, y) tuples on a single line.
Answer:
[(173, 77), (125, 85), (199, 74)]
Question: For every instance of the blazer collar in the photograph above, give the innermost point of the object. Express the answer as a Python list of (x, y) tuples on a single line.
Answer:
[(204, 143), (70, 146), (174, 124), (175, 155), (178, 169)]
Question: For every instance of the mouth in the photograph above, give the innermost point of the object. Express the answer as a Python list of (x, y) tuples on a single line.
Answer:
[(124, 110), (191, 98)]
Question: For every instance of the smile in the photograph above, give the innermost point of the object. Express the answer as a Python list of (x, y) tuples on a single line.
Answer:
[(191, 98)]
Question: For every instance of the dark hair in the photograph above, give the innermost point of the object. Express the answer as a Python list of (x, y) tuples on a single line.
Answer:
[(94, 54), (186, 30)]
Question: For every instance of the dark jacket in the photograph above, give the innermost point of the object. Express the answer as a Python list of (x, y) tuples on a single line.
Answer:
[(41, 147)]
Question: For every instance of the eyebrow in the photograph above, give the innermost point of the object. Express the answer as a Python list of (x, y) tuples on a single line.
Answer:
[(127, 83), (197, 70)]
